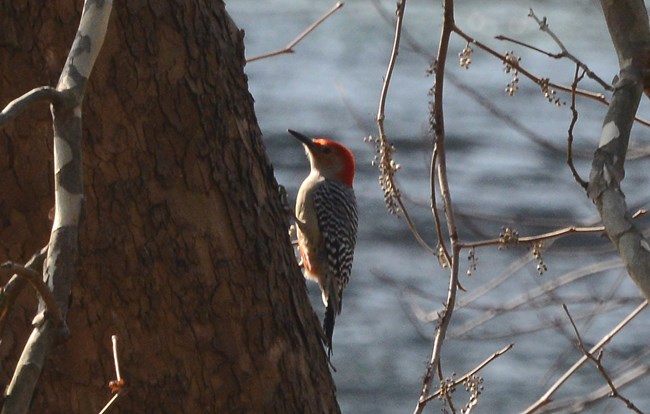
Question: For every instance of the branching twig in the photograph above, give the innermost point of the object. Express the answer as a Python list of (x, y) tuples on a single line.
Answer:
[(488, 104), (36, 280), (596, 96), (599, 97), (473, 371), (289, 48), (546, 398), (564, 52), (598, 362)]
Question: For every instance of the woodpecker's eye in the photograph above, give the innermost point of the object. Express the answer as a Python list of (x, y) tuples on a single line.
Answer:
[(327, 150)]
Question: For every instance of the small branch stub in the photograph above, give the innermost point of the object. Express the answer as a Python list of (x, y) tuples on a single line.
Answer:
[(116, 385)]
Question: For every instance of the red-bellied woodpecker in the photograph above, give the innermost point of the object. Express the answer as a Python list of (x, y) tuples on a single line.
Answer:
[(326, 221)]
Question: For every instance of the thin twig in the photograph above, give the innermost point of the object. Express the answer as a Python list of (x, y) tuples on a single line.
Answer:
[(532, 239), (18, 105), (581, 403), (541, 237), (473, 371), (597, 306), (289, 48), (599, 365), (36, 280), (110, 402), (574, 120), (386, 164), (543, 26), (546, 398), (401, 6), (443, 255), (527, 46)]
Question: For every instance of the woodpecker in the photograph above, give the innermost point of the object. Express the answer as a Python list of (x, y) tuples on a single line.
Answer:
[(326, 222)]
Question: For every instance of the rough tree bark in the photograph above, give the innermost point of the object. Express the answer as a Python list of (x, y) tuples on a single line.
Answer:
[(184, 252)]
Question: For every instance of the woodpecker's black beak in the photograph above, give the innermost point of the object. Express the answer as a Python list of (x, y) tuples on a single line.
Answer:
[(302, 138)]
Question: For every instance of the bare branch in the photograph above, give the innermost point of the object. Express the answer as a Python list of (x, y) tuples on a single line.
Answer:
[(18, 105), (532, 239), (438, 170), (443, 255), (541, 237), (474, 371), (486, 103), (599, 365), (289, 48), (543, 26), (36, 280), (546, 398), (599, 97), (574, 120), (386, 164), (596, 96), (581, 403), (527, 46), (12, 289)]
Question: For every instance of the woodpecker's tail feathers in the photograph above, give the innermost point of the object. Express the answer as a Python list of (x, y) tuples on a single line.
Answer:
[(328, 324)]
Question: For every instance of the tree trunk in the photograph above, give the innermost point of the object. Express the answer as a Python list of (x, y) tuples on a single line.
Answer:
[(184, 248)]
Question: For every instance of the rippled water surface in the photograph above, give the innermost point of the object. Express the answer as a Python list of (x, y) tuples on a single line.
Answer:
[(507, 167)]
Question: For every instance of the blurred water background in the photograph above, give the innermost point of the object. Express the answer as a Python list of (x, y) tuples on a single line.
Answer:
[(502, 173)]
